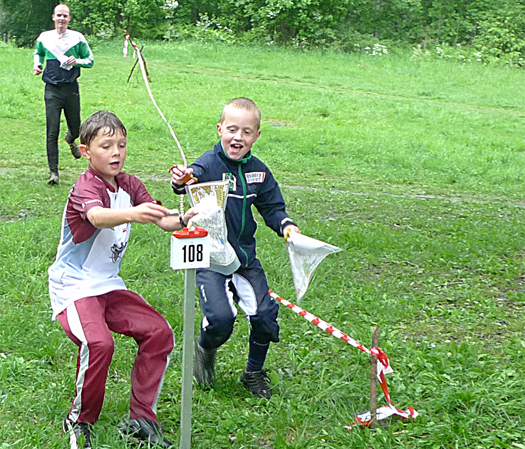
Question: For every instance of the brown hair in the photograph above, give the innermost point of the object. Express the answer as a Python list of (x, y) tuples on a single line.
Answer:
[(97, 121)]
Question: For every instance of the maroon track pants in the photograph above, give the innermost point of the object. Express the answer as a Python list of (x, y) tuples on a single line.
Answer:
[(89, 322)]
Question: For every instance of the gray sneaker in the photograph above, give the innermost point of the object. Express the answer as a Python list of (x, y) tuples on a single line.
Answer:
[(75, 150), (257, 383), (53, 178), (144, 430), (204, 365), (77, 433)]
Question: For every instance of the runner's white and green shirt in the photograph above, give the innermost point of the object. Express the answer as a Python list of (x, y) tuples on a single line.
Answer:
[(54, 49)]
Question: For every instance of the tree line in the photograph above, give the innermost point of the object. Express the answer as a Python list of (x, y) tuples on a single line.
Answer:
[(495, 28)]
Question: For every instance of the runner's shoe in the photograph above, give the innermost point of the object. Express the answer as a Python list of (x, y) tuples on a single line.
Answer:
[(144, 430), (77, 432), (53, 178), (75, 151), (204, 365), (257, 383)]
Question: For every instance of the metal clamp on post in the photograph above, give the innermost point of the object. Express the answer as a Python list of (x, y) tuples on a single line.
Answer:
[(190, 249)]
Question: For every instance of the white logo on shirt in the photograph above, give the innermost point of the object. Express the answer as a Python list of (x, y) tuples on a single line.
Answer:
[(90, 201), (255, 177)]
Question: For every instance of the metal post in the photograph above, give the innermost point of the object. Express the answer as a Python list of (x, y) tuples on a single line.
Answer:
[(187, 358)]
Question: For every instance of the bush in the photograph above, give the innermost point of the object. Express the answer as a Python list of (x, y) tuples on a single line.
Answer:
[(494, 29), (502, 40)]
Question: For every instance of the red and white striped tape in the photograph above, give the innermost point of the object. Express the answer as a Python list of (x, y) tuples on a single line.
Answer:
[(383, 364), (126, 43)]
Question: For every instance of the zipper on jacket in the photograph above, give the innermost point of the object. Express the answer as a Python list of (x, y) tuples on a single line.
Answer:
[(243, 215)]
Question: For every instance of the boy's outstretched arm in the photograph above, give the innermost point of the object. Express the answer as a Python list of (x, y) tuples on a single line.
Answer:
[(103, 217)]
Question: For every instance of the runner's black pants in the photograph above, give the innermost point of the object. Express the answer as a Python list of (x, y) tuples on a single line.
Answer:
[(60, 97)]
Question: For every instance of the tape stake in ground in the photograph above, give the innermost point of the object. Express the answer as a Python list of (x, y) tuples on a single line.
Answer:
[(383, 366)]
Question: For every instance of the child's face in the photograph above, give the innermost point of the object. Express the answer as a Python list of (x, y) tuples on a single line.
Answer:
[(238, 131), (106, 153)]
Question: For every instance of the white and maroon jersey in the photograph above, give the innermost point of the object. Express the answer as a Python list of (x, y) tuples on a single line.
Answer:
[(88, 259)]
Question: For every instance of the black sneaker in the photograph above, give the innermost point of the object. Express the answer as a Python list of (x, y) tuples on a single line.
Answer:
[(53, 178), (257, 383), (204, 365), (75, 150), (144, 430), (77, 432)]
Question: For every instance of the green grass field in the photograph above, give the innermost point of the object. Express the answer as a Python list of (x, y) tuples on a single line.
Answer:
[(415, 169)]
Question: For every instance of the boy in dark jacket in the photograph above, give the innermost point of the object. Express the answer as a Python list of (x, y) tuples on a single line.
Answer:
[(251, 183)]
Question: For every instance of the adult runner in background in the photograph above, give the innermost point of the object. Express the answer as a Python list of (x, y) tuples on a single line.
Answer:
[(63, 51)]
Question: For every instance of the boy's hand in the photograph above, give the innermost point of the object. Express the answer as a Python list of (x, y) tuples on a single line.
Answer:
[(149, 213), (172, 222), (190, 213), (289, 229), (37, 69), (179, 174)]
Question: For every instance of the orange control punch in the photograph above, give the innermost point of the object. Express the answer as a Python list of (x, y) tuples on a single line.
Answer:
[(186, 179)]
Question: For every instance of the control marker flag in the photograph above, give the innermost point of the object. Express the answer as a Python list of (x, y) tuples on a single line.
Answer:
[(306, 254)]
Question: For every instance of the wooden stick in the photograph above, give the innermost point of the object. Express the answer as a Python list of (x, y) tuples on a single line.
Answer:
[(373, 381), (135, 65), (145, 66)]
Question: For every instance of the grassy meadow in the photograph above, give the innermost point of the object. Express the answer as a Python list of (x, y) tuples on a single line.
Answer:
[(416, 169)]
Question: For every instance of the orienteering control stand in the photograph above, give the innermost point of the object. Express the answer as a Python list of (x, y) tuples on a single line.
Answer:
[(190, 249)]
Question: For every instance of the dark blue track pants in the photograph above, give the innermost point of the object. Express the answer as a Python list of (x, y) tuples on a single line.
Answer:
[(248, 288)]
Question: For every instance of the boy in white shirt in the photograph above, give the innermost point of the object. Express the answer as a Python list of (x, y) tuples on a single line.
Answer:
[(88, 296)]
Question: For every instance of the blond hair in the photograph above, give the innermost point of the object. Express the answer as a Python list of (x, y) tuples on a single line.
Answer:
[(63, 5), (245, 104)]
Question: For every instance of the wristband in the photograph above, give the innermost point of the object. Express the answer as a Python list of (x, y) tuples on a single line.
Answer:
[(181, 220)]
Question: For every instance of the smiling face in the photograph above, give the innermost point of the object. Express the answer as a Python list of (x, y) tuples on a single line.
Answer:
[(61, 17), (239, 130), (106, 153)]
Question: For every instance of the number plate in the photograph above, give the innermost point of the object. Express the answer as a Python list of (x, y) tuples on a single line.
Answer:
[(190, 249)]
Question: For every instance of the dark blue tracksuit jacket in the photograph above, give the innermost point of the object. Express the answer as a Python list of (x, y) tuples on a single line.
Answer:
[(251, 183)]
